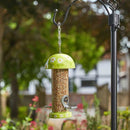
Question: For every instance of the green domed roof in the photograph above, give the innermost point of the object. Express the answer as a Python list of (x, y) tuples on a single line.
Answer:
[(60, 61)]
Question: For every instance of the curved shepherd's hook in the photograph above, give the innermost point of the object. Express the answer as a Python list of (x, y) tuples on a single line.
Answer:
[(112, 6)]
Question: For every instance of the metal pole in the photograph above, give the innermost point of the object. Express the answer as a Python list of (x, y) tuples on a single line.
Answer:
[(114, 23), (113, 79)]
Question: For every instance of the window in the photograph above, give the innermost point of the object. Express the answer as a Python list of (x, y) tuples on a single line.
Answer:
[(88, 83)]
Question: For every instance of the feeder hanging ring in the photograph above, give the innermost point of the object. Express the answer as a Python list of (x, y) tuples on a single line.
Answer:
[(66, 14)]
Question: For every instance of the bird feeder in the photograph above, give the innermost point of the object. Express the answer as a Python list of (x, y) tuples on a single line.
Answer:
[(60, 63)]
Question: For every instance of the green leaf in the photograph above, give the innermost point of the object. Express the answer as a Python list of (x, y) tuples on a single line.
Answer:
[(104, 126), (12, 25), (28, 22), (28, 119), (106, 113), (45, 126)]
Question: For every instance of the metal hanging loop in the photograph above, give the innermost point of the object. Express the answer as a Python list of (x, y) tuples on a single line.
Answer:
[(66, 14)]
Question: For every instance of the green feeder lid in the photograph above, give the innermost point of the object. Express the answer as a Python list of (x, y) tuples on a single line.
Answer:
[(60, 61), (66, 114)]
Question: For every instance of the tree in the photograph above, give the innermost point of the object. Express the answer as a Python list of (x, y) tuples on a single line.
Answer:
[(1, 50), (15, 24), (23, 56)]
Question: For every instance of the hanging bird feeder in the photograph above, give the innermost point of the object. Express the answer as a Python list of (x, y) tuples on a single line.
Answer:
[(60, 63)]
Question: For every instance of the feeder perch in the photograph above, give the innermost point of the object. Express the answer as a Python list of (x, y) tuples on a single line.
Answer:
[(60, 63)]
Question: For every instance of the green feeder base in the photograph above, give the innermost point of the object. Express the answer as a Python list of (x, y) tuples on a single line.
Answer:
[(60, 114)]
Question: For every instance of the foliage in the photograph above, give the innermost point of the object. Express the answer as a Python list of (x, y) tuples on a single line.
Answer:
[(22, 112), (27, 123), (96, 122), (74, 88), (83, 48), (24, 51), (28, 37), (92, 122), (29, 50), (124, 118)]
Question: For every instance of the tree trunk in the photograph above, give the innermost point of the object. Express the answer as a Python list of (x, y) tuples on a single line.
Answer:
[(14, 98), (1, 53), (42, 96)]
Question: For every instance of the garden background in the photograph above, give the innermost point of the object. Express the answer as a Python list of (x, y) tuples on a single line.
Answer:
[(28, 37)]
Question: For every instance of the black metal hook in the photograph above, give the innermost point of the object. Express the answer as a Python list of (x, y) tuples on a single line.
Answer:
[(66, 14), (112, 5)]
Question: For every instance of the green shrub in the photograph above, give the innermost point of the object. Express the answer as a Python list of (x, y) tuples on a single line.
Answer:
[(22, 112)]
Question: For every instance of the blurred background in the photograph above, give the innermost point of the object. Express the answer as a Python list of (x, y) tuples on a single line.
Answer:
[(28, 37)]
